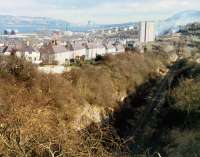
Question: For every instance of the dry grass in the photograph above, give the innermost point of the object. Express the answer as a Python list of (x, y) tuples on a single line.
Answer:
[(37, 111)]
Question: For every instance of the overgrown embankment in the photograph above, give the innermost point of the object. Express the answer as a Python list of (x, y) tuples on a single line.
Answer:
[(58, 115), (42, 115)]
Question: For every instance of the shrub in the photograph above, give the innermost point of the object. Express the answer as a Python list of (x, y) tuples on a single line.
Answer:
[(45, 107), (18, 68)]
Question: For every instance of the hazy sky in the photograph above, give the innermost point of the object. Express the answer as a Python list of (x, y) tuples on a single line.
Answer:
[(100, 11)]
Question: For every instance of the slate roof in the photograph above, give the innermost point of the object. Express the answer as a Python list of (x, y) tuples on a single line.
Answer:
[(28, 49), (78, 46), (109, 46), (53, 49), (46, 49), (119, 46), (2, 49), (59, 48), (9, 48), (93, 45)]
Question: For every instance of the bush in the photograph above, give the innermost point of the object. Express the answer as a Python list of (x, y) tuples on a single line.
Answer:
[(43, 110), (187, 95), (18, 68), (104, 84)]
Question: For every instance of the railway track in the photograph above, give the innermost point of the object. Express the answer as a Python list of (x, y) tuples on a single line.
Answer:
[(158, 99)]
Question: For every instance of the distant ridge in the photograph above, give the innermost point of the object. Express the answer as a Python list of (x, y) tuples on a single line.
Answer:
[(179, 19), (30, 24), (35, 24)]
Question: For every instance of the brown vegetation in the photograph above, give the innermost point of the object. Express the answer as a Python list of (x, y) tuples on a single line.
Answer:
[(39, 112)]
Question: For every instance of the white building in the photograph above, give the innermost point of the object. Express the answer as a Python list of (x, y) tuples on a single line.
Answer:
[(110, 49), (147, 31), (68, 33), (119, 48), (79, 49), (56, 53), (94, 49), (130, 27), (30, 54), (63, 55), (23, 51)]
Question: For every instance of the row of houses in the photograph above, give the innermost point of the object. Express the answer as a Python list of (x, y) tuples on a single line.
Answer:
[(21, 50), (53, 51), (63, 54)]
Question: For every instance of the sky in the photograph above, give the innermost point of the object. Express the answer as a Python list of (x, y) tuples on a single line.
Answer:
[(99, 11)]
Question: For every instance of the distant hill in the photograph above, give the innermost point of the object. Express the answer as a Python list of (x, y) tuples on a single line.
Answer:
[(30, 24), (34, 24), (180, 19)]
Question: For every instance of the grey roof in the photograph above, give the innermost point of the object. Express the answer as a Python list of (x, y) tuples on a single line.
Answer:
[(2, 49), (52, 49), (9, 48), (59, 48), (78, 46), (28, 49), (109, 46), (69, 47), (93, 45), (46, 49), (119, 46)]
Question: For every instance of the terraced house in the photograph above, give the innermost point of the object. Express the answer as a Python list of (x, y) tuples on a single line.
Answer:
[(94, 49), (53, 53)]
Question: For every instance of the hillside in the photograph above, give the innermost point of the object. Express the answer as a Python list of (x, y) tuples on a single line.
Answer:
[(30, 24), (180, 19), (41, 113)]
